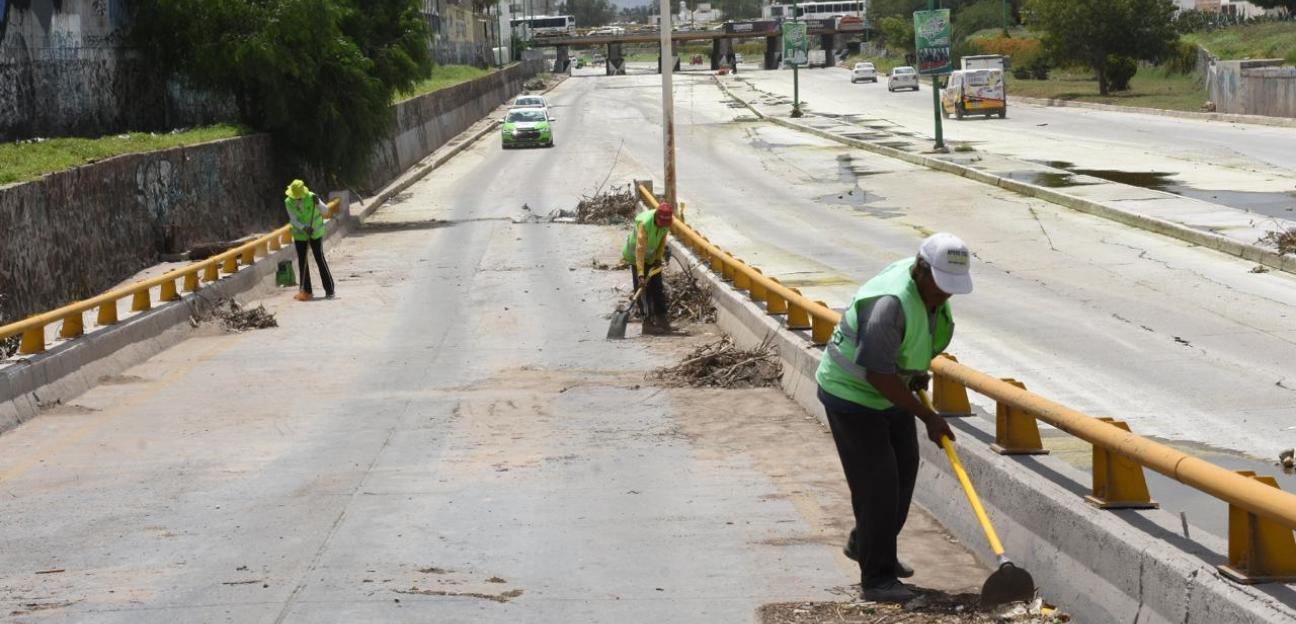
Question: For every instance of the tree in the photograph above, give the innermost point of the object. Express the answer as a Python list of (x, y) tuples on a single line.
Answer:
[(897, 33), (590, 13), (1090, 32), (317, 74)]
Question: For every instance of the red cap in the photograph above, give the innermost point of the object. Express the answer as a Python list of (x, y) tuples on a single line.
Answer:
[(665, 214)]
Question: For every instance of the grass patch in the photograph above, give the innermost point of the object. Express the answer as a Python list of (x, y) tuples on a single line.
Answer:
[(443, 76), (1150, 88), (29, 160), (1255, 41)]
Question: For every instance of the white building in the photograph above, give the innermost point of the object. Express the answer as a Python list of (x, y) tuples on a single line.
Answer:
[(1237, 8), (704, 14)]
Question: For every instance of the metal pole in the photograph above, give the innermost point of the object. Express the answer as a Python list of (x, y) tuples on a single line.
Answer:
[(796, 79), (668, 102), (936, 103)]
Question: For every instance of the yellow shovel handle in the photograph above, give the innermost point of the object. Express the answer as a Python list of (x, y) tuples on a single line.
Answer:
[(972, 497)]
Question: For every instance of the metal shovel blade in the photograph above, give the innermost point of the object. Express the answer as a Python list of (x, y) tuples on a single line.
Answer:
[(620, 318), (1008, 584)]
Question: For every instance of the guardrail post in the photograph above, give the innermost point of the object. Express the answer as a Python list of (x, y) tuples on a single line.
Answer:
[(1118, 481), (107, 313), (821, 331), (756, 289), (286, 237), (231, 264), (249, 255), (1016, 432), (73, 326), (209, 272), (1260, 550), (169, 292), (33, 341), (950, 397), (798, 317), (774, 303), (274, 243), (191, 281), (141, 302)]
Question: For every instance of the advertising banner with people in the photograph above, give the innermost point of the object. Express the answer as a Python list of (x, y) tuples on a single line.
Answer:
[(932, 35)]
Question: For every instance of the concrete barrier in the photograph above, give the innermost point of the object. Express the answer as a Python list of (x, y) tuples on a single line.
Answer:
[(1253, 87), (1101, 566)]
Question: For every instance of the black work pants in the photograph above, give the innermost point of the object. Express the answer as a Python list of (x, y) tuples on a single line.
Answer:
[(317, 249), (652, 304), (879, 454)]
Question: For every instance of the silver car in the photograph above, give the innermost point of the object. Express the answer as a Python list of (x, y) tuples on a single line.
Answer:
[(902, 78)]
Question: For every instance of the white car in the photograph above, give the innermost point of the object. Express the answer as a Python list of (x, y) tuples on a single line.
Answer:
[(863, 71), (529, 101), (902, 78)]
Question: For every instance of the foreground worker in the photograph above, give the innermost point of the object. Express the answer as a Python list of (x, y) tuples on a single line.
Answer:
[(879, 356), (306, 216), (645, 249)]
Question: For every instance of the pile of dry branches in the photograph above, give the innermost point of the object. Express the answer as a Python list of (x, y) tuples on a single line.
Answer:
[(722, 364), (607, 208), (690, 300), (237, 319)]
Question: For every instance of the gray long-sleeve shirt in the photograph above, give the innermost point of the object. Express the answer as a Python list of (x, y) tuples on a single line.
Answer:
[(881, 330)]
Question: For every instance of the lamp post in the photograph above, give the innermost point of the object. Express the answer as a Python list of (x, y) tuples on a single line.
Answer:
[(936, 102), (668, 101), (796, 82)]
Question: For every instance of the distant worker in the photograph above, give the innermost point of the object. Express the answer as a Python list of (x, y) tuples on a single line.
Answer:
[(645, 248), (306, 216), (879, 356)]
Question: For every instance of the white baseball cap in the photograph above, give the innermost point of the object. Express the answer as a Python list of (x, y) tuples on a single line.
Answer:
[(950, 260)]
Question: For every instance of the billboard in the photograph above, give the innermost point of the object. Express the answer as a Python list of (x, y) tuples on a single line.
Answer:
[(932, 34), (796, 43)]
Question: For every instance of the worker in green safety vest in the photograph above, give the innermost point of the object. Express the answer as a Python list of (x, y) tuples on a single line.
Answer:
[(306, 216), (879, 356), (645, 248)]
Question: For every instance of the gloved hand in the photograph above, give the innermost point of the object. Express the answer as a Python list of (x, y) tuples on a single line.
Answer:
[(919, 382), (666, 257), (309, 230)]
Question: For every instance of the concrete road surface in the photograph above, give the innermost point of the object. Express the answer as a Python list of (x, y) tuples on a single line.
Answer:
[(450, 440), (1200, 156)]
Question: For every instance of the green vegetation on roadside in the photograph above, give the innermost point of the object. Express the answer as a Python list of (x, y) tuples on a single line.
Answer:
[(1149, 88), (443, 76), (29, 160), (1256, 41)]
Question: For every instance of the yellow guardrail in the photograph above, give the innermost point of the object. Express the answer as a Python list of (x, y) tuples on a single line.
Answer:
[(32, 329), (1261, 516)]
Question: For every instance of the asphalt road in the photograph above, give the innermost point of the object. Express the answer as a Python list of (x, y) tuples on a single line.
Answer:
[(450, 440), (1185, 344)]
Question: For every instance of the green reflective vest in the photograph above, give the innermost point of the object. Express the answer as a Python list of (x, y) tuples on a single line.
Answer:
[(645, 219), (305, 211), (838, 373)]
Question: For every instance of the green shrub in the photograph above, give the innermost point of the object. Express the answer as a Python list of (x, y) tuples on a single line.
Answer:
[(1120, 69), (1182, 58)]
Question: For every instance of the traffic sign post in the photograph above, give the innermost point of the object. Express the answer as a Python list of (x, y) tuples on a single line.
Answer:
[(932, 37)]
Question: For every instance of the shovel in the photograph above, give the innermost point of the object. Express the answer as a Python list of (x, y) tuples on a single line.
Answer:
[(1009, 583), (621, 318)]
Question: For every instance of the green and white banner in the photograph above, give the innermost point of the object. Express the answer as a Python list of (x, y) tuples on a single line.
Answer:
[(932, 35), (796, 43)]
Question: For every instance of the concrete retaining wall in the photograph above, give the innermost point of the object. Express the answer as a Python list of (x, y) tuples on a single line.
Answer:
[(1100, 566), (425, 123), (1259, 87), (64, 71), (74, 234)]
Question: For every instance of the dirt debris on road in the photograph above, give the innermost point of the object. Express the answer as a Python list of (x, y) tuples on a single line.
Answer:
[(689, 299), (609, 207), (722, 364), (235, 318), (928, 608), (1282, 240)]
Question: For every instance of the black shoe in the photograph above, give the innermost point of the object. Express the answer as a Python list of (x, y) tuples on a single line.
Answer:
[(888, 591), (902, 569)]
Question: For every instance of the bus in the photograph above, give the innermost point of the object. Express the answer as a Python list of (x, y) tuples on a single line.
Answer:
[(543, 26), (817, 10)]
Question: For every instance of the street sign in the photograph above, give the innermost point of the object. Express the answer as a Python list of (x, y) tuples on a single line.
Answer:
[(796, 43), (932, 41)]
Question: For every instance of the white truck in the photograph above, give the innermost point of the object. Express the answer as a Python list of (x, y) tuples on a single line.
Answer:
[(986, 61), (817, 58)]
